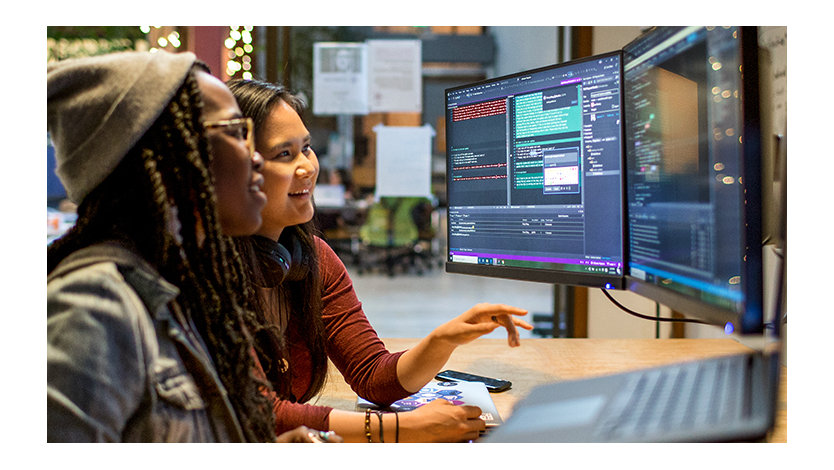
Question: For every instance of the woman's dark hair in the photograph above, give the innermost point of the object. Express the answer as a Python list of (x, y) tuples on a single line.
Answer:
[(166, 174), (298, 298)]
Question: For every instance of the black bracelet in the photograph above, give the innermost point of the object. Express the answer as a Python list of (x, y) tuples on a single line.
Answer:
[(368, 424), (397, 415), (379, 417)]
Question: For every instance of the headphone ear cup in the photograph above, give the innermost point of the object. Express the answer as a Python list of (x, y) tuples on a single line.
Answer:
[(296, 270), (274, 260), (284, 262)]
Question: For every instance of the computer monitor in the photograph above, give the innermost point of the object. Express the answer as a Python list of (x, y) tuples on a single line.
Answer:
[(693, 173), (534, 175)]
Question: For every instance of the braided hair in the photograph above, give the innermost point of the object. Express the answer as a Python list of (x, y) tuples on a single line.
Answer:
[(164, 181)]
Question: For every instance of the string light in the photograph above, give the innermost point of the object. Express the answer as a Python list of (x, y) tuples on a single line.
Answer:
[(239, 46), (238, 52), (162, 37)]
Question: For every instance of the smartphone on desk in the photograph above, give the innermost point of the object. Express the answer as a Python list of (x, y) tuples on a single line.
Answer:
[(493, 385)]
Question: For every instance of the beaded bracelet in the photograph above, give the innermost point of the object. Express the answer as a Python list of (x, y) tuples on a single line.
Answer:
[(368, 424)]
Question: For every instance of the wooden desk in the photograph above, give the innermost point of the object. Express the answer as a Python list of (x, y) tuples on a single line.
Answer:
[(540, 361)]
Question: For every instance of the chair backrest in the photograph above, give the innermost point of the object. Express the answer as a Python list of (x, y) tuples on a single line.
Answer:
[(374, 231), (390, 222), (404, 228)]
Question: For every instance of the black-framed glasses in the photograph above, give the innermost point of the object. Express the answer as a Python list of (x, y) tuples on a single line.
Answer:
[(239, 128)]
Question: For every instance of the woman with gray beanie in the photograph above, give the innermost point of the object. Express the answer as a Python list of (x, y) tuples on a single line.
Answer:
[(147, 319)]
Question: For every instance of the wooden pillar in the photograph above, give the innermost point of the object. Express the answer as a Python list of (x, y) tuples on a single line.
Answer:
[(678, 328), (580, 312), (273, 56), (582, 44)]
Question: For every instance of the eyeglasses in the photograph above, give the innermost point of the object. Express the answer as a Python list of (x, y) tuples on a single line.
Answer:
[(239, 128)]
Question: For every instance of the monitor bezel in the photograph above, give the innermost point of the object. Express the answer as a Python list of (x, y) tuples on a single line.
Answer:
[(751, 319), (608, 281)]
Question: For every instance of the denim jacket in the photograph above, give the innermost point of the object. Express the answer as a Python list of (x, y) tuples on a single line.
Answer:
[(120, 366)]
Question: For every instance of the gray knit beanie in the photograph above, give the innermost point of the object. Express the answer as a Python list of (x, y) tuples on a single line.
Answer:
[(98, 108)]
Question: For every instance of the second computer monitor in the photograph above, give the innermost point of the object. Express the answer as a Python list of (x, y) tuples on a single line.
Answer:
[(534, 175), (693, 162)]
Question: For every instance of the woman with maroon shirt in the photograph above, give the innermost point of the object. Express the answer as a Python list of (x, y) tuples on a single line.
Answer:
[(308, 298)]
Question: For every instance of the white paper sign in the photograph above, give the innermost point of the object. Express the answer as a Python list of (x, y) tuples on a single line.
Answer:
[(395, 82), (403, 161), (340, 83)]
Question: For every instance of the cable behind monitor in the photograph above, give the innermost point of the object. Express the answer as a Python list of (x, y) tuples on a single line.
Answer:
[(648, 317)]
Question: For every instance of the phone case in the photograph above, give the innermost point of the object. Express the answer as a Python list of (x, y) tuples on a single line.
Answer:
[(493, 385)]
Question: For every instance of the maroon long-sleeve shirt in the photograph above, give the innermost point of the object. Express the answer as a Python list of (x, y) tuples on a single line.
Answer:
[(352, 345)]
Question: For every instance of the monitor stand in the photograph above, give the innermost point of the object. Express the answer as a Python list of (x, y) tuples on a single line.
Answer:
[(569, 318)]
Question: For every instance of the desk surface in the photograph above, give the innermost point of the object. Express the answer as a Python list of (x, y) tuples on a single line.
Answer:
[(540, 361)]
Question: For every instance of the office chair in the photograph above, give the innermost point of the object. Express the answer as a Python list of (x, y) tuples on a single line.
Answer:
[(394, 235)]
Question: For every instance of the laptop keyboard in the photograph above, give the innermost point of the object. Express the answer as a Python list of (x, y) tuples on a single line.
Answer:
[(689, 395)]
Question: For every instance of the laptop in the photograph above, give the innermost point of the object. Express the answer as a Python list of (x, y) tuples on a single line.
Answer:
[(731, 398)]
